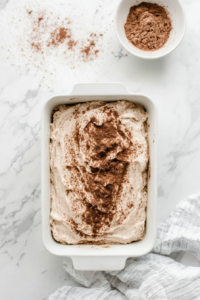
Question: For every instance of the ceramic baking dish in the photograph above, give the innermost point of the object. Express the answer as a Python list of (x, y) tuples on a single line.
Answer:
[(109, 257)]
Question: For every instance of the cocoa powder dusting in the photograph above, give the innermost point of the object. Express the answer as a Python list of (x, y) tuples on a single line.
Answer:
[(148, 26), (104, 183), (46, 36), (59, 35), (36, 46), (71, 44), (40, 19), (88, 50)]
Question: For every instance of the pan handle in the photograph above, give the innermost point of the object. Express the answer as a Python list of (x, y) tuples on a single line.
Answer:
[(99, 263), (114, 88)]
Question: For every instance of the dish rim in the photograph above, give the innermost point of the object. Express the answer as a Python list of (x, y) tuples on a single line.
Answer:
[(93, 250)]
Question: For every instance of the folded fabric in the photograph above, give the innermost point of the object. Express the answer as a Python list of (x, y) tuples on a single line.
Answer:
[(153, 276)]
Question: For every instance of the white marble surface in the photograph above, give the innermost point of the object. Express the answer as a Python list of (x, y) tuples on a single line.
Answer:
[(27, 270)]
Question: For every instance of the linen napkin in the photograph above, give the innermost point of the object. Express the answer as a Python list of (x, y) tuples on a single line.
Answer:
[(151, 277)]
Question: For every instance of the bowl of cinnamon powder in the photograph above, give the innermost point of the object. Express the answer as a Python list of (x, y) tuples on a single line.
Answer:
[(150, 29)]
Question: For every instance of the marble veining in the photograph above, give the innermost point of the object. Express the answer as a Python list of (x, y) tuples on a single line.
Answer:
[(27, 270)]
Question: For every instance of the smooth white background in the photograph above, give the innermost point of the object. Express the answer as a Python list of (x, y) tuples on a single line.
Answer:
[(27, 270)]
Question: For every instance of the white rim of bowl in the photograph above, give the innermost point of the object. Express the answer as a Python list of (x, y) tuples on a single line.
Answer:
[(161, 55)]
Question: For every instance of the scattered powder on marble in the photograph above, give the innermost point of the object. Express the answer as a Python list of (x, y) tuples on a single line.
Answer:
[(45, 36), (48, 42), (71, 44), (89, 49), (26, 42)]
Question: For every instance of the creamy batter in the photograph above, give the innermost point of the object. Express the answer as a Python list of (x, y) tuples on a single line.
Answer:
[(99, 164)]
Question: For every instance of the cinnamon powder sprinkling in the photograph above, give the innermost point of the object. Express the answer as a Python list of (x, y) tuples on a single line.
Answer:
[(59, 35), (114, 173), (40, 19), (35, 46), (104, 182), (71, 44), (47, 35), (87, 49), (148, 26)]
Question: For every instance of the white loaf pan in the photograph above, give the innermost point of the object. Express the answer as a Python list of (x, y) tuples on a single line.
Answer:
[(89, 257)]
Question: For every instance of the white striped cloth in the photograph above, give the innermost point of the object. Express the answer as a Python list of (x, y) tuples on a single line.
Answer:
[(151, 277)]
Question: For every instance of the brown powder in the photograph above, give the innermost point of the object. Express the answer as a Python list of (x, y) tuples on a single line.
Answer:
[(59, 35), (104, 183), (51, 35), (40, 19), (71, 44), (148, 26), (37, 47), (89, 50)]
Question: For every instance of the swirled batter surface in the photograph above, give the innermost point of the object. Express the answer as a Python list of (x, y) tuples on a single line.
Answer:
[(99, 164)]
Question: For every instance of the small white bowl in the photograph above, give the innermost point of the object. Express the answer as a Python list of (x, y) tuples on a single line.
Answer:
[(178, 19)]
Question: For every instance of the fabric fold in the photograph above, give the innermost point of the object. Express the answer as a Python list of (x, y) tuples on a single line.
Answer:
[(153, 276)]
